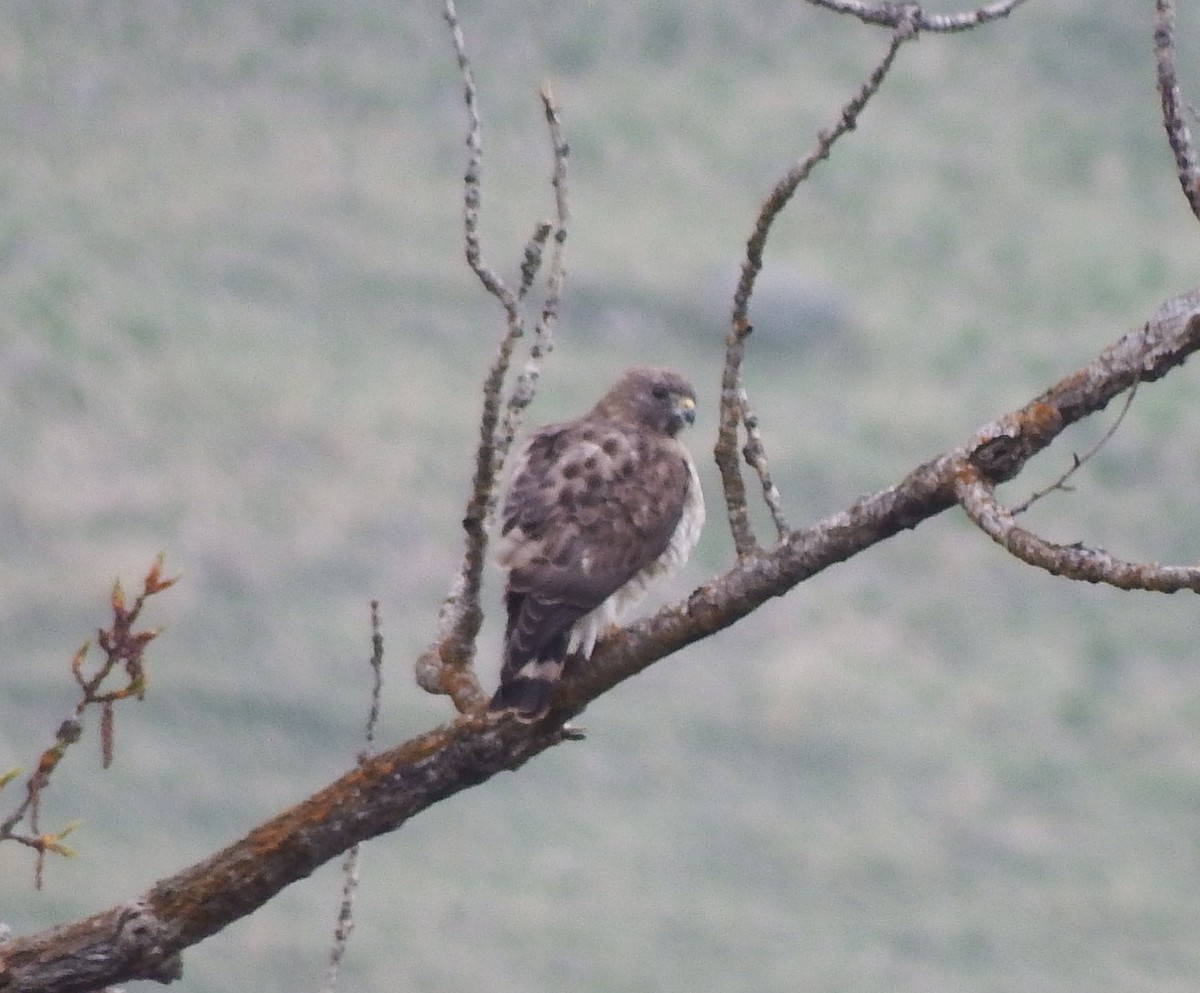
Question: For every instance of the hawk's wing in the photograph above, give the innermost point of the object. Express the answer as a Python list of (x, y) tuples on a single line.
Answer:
[(591, 506)]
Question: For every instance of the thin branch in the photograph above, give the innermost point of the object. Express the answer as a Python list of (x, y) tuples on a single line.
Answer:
[(891, 15), (1089, 565), (725, 452), (543, 332), (472, 185), (350, 872), (756, 457), (1178, 135), (733, 397), (1078, 461), (446, 665), (376, 681)]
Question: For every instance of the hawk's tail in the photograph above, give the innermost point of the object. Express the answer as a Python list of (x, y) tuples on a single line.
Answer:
[(527, 693), (535, 652)]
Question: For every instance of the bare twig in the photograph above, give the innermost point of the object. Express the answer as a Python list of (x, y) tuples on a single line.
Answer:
[(890, 14), (906, 20), (543, 332), (350, 872), (733, 397), (472, 185), (1178, 135), (1078, 461), (1090, 565)]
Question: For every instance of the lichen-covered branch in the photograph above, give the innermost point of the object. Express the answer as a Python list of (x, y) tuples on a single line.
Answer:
[(734, 401), (145, 937), (446, 665), (472, 182), (1179, 136)]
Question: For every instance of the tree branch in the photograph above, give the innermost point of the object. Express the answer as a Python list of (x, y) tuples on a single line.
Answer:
[(543, 332), (1178, 135), (890, 14), (144, 938), (446, 666), (755, 454), (1090, 565)]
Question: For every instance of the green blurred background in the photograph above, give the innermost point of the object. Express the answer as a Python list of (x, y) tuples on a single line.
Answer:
[(235, 326)]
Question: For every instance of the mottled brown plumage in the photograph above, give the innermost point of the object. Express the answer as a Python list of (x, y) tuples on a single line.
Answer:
[(597, 507)]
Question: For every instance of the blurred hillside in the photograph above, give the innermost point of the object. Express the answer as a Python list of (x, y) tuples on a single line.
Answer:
[(235, 326)]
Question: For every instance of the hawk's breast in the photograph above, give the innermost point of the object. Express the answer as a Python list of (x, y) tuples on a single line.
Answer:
[(588, 628)]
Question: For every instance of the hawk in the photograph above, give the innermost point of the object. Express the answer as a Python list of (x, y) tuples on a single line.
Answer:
[(597, 508)]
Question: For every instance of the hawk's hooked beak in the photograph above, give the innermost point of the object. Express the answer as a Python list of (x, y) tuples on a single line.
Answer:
[(685, 410)]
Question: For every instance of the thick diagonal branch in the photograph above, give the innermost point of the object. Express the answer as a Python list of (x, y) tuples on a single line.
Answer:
[(145, 937)]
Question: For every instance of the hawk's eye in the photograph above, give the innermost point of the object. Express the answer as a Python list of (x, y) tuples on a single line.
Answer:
[(659, 393)]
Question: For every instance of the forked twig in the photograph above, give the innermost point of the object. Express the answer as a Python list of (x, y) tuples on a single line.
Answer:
[(733, 396), (446, 666), (1144, 355)]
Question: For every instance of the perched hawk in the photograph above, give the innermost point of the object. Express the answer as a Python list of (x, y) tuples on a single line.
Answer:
[(597, 507)]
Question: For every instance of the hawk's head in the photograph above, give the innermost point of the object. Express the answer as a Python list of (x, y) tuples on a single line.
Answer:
[(659, 399)]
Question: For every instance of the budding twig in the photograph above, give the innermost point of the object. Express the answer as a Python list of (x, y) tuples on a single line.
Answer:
[(123, 647)]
